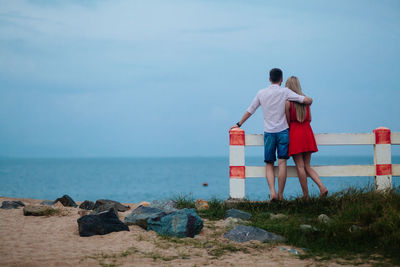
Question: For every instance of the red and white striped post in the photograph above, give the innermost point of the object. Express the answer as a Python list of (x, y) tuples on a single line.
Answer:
[(383, 159), (237, 169)]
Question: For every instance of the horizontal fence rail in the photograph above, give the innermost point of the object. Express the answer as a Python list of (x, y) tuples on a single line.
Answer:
[(381, 139), (327, 139)]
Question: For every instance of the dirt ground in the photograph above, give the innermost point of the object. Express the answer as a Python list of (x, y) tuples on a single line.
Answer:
[(54, 241)]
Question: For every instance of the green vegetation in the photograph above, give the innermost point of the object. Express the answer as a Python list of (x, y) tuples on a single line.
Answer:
[(214, 247), (216, 210), (158, 256), (54, 212), (183, 201), (364, 222)]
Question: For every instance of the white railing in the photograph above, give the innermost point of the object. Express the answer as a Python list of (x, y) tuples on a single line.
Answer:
[(382, 139)]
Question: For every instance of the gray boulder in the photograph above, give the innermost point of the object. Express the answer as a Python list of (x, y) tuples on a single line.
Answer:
[(38, 210), (67, 201), (117, 204), (231, 222), (100, 224), (354, 228), (234, 213), (87, 205), (323, 218), (181, 223), (109, 206), (244, 233), (47, 202), (166, 206), (13, 204), (141, 214)]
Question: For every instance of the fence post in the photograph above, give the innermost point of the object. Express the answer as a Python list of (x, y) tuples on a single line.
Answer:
[(236, 164), (382, 159)]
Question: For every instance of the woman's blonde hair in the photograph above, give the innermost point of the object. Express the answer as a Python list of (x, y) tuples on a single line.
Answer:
[(293, 84)]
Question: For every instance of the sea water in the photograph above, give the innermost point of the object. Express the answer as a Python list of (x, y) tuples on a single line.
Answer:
[(148, 179)]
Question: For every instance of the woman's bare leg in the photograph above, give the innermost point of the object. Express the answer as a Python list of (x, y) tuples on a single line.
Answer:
[(301, 173), (314, 175)]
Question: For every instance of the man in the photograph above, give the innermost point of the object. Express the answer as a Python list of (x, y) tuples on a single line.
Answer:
[(276, 129)]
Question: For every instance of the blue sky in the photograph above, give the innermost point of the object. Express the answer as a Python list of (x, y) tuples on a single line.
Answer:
[(168, 78)]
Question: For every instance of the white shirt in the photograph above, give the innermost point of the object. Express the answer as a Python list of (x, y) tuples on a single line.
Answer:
[(272, 100)]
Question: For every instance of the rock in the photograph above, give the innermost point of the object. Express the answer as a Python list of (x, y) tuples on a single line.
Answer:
[(87, 205), (238, 214), (58, 205), (278, 216), (38, 210), (100, 224), (108, 206), (13, 204), (294, 251), (83, 212), (180, 223), (354, 228), (201, 204), (323, 218), (67, 201), (119, 206), (166, 206), (144, 204), (307, 228), (141, 214), (244, 233), (291, 250), (231, 222), (47, 202)]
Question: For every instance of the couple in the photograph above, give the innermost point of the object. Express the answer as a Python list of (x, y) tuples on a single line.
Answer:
[(287, 130)]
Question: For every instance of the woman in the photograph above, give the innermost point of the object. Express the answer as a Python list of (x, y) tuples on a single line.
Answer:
[(301, 139)]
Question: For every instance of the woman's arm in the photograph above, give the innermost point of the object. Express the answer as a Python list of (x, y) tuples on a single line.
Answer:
[(287, 111)]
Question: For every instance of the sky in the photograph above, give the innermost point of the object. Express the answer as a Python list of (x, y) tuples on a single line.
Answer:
[(169, 78)]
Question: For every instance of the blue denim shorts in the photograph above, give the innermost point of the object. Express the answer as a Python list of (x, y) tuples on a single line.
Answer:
[(276, 142)]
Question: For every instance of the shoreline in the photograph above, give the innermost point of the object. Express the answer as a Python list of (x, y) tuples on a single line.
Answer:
[(54, 241)]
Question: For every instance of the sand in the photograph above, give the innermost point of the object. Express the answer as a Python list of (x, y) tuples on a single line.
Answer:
[(54, 241)]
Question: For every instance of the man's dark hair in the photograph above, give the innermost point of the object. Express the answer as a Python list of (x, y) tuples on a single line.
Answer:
[(275, 75)]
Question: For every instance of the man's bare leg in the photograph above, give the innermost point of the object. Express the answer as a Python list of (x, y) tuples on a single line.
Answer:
[(271, 179), (282, 174)]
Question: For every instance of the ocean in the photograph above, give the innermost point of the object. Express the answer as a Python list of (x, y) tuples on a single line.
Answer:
[(149, 179)]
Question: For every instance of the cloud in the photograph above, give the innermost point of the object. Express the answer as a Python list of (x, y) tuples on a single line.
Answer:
[(92, 71)]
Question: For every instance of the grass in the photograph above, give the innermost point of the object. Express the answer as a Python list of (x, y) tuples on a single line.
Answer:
[(183, 201), (216, 209), (158, 256), (55, 212), (113, 259), (374, 216), (213, 247)]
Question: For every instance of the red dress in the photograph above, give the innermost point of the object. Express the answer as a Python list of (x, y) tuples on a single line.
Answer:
[(301, 136)]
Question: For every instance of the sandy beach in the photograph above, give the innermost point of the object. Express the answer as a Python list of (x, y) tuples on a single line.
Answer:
[(54, 241)]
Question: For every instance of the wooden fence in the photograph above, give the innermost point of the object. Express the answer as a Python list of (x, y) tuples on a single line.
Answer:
[(381, 138)]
